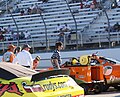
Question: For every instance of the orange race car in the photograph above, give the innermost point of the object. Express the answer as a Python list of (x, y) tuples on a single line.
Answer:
[(94, 73)]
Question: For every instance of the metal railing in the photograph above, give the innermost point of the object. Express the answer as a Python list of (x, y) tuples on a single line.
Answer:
[(39, 42)]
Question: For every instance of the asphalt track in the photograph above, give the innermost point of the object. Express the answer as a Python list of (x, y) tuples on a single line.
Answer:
[(110, 93)]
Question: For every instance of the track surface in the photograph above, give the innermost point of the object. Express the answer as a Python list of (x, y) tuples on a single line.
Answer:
[(110, 93)]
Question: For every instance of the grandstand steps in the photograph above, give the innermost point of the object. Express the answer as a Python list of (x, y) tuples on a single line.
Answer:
[(56, 12), (96, 31), (101, 22)]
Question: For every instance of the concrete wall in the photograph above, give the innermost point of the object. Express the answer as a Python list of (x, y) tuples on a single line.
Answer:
[(45, 57), (111, 53)]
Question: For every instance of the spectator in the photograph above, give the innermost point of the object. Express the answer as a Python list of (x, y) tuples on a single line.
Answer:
[(59, 28), (118, 4), (61, 37), (116, 27), (114, 4), (22, 12), (33, 9), (87, 4), (81, 5), (22, 35), (9, 55), (3, 30), (27, 35), (29, 11), (36, 62), (1, 37), (92, 6), (56, 58), (17, 9), (108, 4), (24, 57), (66, 28), (9, 29), (13, 36), (95, 2)]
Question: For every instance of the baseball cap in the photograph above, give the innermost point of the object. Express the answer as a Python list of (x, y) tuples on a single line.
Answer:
[(26, 46), (18, 48), (38, 58), (11, 46)]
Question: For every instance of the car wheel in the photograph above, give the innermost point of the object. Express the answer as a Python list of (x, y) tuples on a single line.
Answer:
[(105, 88), (97, 88), (117, 87)]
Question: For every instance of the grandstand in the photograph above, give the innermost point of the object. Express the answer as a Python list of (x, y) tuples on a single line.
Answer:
[(87, 25)]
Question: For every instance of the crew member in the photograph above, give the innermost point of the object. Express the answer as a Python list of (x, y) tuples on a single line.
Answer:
[(9, 55), (17, 50), (36, 62), (56, 58), (24, 57)]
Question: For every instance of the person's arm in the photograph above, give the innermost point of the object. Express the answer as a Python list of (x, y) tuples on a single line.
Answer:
[(15, 61), (31, 60), (35, 64), (3, 58), (12, 56), (55, 62)]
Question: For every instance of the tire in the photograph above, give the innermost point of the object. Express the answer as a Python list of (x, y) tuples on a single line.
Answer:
[(97, 88), (117, 87), (105, 88), (86, 88)]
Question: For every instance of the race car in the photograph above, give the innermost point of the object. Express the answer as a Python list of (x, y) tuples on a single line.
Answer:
[(19, 81), (94, 73)]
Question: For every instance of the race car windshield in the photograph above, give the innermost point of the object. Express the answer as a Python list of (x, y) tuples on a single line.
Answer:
[(116, 61), (110, 60), (9, 71)]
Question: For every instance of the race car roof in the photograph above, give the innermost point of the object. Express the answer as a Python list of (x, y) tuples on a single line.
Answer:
[(9, 71)]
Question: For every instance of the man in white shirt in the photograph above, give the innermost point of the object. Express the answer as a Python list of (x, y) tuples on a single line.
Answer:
[(27, 35), (66, 28), (24, 57)]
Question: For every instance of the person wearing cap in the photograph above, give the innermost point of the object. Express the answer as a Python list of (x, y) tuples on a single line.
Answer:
[(17, 50), (36, 62), (9, 55), (56, 58), (24, 57)]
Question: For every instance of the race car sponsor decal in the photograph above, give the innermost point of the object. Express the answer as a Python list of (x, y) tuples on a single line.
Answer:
[(11, 88), (113, 78), (44, 87), (66, 95), (54, 86), (69, 95), (107, 70), (32, 88)]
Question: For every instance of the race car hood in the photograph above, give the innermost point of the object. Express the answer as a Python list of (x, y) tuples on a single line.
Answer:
[(14, 71)]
